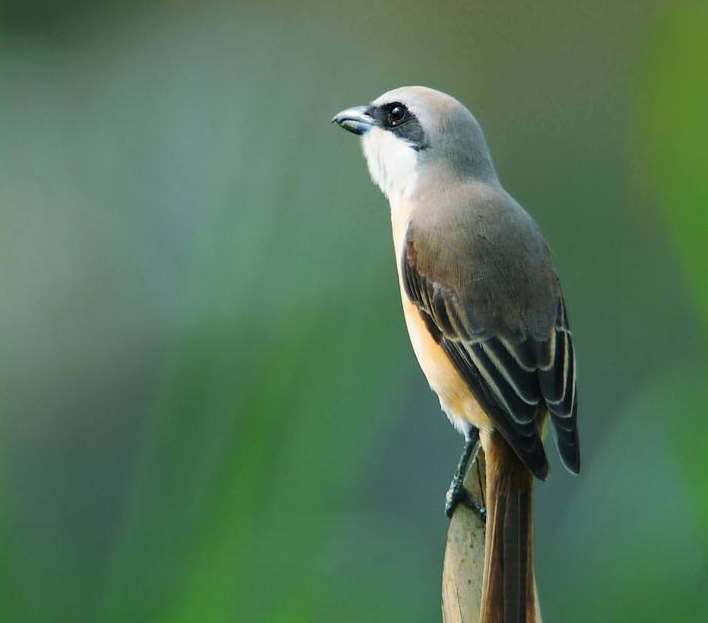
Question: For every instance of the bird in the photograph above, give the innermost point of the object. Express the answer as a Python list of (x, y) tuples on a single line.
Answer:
[(485, 314)]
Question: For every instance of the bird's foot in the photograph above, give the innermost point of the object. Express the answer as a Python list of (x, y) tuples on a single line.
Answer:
[(457, 494)]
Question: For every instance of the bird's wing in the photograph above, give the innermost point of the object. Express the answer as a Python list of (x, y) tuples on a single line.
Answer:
[(492, 301)]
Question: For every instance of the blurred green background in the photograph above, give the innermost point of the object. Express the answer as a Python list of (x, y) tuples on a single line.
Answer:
[(209, 409)]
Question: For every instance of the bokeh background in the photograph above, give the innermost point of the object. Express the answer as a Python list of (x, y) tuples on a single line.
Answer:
[(209, 409)]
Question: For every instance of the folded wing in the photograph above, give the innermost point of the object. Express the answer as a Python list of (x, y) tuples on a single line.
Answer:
[(516, 375)]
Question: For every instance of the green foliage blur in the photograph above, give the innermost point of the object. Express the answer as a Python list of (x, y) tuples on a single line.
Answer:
[(209, 409)]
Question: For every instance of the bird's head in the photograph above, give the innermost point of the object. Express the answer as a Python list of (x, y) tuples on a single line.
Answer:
[(411, 132)]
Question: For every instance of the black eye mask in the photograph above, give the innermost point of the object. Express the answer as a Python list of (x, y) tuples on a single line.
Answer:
[(395, 117)]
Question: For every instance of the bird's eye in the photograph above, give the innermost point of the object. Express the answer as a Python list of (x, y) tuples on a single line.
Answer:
[(397, 114)]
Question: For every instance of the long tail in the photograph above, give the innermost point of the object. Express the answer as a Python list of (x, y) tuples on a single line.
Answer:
[(509, 588)]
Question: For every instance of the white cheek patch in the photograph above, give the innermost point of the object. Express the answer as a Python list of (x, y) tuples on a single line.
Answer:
[(392, 163)]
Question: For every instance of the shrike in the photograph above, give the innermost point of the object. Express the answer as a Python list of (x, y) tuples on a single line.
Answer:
[(485, 314)]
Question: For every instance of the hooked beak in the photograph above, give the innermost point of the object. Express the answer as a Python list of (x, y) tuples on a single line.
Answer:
[(354, 119)]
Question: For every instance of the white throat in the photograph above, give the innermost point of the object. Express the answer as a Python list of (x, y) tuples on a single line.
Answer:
[(392, 162)]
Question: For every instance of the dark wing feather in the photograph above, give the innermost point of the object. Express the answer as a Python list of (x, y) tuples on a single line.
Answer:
[(514, 375), (558, 385)]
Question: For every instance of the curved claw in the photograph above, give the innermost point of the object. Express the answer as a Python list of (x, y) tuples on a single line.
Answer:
[(457, 494)]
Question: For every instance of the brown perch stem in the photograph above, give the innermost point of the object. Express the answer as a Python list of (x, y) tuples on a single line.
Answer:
[(463, 566)]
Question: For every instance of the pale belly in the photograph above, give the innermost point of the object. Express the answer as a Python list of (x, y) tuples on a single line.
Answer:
[(456, 399)]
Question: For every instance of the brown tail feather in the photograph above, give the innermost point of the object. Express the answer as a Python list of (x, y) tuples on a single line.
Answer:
[(508, 590)]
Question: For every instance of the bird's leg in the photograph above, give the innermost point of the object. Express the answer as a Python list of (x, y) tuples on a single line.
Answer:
[(457, 493)]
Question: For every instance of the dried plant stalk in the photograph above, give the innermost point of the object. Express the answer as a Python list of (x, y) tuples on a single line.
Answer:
[(463, 566)]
